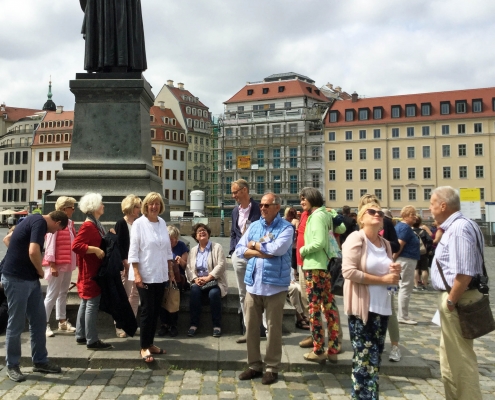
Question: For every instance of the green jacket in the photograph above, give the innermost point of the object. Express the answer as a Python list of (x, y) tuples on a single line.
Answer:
[(316, 241)]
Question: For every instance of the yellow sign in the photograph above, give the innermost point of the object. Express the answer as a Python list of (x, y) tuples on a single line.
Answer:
[(243, 162), (470, 194)]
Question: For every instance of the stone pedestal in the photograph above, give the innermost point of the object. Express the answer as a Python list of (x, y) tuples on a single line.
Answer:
[(111, 142)]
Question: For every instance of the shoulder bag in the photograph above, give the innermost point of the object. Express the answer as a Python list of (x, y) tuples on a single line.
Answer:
[(171, 298)]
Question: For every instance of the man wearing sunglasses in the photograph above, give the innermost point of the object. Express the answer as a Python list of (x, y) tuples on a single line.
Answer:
[(267, 247), (248, 211)]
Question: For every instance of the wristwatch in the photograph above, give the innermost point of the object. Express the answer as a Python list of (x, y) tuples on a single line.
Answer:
[(450, 303)]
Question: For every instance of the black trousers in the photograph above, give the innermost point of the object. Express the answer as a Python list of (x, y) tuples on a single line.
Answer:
[(151, 301)]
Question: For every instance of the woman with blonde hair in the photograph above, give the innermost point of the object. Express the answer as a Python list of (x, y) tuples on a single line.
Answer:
[(131, 208), (150, 254), (60, 261), (368, 268)]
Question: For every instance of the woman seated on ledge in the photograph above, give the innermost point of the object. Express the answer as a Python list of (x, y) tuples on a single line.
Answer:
[(206, 273)]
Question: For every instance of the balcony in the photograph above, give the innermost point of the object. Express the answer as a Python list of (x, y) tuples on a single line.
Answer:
[(256, 117)]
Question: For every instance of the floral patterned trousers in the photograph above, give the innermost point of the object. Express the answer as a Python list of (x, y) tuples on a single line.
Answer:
[(320, 300), (367, 341)]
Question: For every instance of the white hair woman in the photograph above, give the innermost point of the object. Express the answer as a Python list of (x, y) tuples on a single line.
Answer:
[(60, 261), (89, 255), (131, 208)]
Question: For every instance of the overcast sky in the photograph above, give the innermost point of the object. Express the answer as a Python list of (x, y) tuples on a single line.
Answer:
[(373, 47)]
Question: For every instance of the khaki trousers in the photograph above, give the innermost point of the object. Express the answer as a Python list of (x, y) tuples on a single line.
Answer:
[(458, 362), (274, 309)]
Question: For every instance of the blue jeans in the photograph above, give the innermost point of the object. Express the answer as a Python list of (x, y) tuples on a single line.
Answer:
[(25, 300), (196, 300), (87, 316)]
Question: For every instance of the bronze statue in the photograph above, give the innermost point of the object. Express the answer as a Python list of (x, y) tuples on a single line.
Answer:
[(114, 34)]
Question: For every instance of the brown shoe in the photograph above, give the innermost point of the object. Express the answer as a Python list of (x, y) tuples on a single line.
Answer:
[(306, 343), (249, 374), (333, 358), (242, 339), (318, 358), (269, 378)]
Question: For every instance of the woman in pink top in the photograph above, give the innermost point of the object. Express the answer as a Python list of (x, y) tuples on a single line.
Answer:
[(59, 261), (367, 268)]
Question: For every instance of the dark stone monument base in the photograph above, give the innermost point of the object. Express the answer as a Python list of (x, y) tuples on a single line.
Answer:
[(111, 143)]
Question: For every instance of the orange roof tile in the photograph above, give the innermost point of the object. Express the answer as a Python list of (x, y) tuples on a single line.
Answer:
[(166, 112), (15, 113), (292, 88), (178, 93)]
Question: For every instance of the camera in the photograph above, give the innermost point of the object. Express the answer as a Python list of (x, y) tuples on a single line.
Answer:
[(480, 282)]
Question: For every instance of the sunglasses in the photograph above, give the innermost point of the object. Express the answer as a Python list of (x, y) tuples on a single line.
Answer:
[(372, 212), (266, 205)]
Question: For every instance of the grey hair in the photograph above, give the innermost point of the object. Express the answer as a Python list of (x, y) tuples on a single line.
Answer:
[(276, 198), (173, 232), (241, 184), (449, 196), (90, 202)]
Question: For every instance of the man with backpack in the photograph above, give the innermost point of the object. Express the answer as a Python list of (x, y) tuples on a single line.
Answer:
[(425, 247)]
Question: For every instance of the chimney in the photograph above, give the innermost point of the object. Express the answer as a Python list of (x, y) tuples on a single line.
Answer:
[(170, 83), (180, 85), (162, 105), (60, 109), (354, 97), (338, 89), (2, 107)]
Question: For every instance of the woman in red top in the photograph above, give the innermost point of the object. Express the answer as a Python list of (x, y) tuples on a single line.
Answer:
[(89, 255)]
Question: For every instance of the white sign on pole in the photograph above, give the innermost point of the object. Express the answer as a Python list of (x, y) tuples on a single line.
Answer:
[(471, 203)]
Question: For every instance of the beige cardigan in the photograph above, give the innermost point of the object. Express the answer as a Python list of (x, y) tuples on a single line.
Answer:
[(216, 266), (356, 294)]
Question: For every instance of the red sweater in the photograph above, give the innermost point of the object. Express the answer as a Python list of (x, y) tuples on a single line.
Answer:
[(88, 235), (300, 235)]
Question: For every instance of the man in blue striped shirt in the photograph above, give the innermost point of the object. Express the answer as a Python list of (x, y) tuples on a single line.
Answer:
[(459, 255)]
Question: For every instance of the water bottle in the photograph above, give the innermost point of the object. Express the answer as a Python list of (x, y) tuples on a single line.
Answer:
[(392, 290)]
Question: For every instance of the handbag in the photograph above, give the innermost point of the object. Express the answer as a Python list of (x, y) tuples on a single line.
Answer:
[(171, 298), (476, 319), (336, 277), (208, 285)]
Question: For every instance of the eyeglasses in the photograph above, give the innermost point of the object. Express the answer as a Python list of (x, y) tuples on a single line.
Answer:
[(201, 231), (372, 212), (234, 192), (266, 205)]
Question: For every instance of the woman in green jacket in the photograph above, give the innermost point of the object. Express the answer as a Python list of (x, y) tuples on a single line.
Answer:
[(315, 254)]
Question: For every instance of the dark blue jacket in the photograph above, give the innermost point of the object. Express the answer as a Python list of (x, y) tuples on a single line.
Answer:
[(235, 232)]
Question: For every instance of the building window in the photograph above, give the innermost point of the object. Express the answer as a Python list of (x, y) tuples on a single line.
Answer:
[(425, 109), (376, 133), (412, 194), (461, 106), (189, 156), (40, 175), (331, 136), (348, 135), (334, 116), (293, 184), (477, 106), (167, 154), (445, 129), (331, 155), (363, 174), (446, 150), (349, 195), (349, 115), (182, 156), (48, 175), (293, 157), (461, 129), (478, 127), (57, 156), (315, 180), (189, 174), (397, 194), (462, 172), (49, 156), (228, 160), (480, 172), (277, 187), (478, 149), (395, 132), (363, 114), (426, 194), (66, 155), (410, 152), (174, 174), (362, 154), (395, 173), (377, 154), (25, 157), (426, 152), (40, 156), (40, 194), (292, 128), (167, 173), (395, 153), (362, 134), (462, 150), (348, 155), (315, 153), (362, 192), (276, 158), (482, 194), (377, 113), (445, 107), (260, 130), (332, 195), (446, 172), (411, 173), (426, 173), (348, 174), (331, 175), (425, 130), (396, 111), (378, 174), (410, 131), (410, 110)]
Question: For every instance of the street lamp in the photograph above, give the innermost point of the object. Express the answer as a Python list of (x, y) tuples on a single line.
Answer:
[(222, 212)]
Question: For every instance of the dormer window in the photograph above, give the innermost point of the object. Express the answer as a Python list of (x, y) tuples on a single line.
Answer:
[(265, 90), (310, 89), (152, 118), (317, 91), (250, 92), (281, 89)]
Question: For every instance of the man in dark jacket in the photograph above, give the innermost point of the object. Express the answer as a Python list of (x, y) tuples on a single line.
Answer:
[(349, 222), (248, 211)]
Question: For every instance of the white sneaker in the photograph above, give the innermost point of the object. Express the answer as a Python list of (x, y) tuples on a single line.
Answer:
[(49, 332), (394, 354), (66, 327), (407, 321)]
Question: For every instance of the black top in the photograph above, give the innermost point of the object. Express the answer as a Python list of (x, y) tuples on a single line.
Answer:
[(350, 225), (17, 262), (122, 231), (390, 234)]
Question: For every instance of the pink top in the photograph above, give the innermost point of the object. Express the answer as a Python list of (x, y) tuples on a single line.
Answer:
[(243, 217), (58, 249)]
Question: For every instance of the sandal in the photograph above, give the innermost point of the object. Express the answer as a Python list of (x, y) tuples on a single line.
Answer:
[(147, 357), (156, 350), (301, 324)]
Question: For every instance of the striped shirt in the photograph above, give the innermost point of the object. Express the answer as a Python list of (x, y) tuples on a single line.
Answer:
[(458, 251)]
